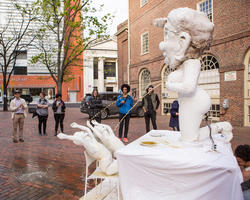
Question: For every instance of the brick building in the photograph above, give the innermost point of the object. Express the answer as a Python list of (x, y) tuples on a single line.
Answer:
[(225, 66)]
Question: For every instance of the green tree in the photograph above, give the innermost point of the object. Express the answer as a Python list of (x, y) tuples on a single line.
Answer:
[(15, 37), (72, 25)]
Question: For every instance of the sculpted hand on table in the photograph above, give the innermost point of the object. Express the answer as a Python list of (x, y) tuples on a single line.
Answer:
[(95, 149)]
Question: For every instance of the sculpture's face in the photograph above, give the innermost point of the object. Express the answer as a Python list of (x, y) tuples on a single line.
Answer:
[(171, 45)]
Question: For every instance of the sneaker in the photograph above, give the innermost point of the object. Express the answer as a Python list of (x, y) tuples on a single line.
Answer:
[(55, 134), (125, 140), (45, 134), (120, 139), (21, 140), (15, 141), (40, 134)]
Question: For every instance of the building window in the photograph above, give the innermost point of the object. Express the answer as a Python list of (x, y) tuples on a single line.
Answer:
[(167, 107), (144, 43), (109, 69), (206, 7), (21, 63), (144, 81), (214, 111), (209, 62), (143, 2), (95, 71), (109, 89)]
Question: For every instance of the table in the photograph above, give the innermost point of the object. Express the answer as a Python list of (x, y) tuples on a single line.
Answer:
[(191, 172)]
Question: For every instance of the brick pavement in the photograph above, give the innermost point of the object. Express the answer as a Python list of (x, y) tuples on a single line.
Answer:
[(44, 167)]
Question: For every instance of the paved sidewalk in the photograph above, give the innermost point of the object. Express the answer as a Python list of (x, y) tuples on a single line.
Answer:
[(44, 167)]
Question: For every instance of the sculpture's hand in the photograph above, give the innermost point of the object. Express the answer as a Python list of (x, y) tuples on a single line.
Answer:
[(61, 136), (74, 125)]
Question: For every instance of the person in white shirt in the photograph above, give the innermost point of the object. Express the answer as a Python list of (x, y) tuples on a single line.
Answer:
[(18, 108)]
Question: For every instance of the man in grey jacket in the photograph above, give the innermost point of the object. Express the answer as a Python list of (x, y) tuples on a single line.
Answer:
[(18, 108)]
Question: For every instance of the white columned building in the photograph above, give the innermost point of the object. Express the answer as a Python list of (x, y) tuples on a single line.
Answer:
[(100, 67), (100, 80)]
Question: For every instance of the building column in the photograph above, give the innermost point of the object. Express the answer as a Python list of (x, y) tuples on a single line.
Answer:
[(116, 76), (101, 74), (88, 75)]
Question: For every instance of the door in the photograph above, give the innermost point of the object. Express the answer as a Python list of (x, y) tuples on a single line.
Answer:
[(72, 97)]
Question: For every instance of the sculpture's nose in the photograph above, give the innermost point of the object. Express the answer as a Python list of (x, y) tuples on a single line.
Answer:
[(162, 45)]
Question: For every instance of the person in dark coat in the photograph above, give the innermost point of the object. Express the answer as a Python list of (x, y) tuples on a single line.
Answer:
[(174, 119), (58, 107), (95, 106), (150, 104)]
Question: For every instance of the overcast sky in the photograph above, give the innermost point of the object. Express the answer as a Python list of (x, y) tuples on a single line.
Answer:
[(119, 8)]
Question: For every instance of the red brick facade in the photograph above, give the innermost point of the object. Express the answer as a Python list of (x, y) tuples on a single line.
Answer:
[(230, 45), (122, 47)]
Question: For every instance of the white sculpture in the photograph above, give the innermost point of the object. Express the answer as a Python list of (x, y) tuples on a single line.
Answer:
[(106, 135), (187, 33), (95, 149)]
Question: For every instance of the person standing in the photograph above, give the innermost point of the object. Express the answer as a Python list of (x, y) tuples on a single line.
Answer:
[(174, 118), (18, 108), (125, 103), (42, 112), (150, 104), (95, 104), (59, 112)]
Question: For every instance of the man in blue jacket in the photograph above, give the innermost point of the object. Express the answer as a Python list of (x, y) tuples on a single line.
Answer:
[(125, 102)]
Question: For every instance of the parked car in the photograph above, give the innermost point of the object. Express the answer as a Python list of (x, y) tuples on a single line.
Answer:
[(108, 100)]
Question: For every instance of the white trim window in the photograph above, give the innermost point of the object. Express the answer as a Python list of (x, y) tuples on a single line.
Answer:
[(144, 81), (206, 6), (143, 2), (144, 43)]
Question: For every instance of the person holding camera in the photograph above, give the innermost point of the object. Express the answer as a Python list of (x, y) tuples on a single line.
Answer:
[(42, 112), (125, 103), (18, 108), (95, 106), (59, 112)]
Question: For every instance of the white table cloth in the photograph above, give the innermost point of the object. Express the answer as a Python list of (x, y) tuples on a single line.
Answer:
[(190, 172)]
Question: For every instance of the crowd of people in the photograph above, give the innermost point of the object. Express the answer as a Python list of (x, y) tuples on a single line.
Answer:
[(18, 107), (150, 104)]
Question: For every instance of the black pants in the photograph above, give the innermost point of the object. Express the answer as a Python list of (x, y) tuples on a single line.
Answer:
[(42, 121), (59, 119), (148, 116), (126, 119)]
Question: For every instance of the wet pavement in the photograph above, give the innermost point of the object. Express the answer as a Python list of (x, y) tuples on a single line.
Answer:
[(44, 167)]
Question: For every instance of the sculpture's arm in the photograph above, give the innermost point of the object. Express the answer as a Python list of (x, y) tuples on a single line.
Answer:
[(190, 78), (63, 136)]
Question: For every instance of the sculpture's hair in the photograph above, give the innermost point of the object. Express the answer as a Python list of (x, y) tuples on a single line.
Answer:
[(196, 24)]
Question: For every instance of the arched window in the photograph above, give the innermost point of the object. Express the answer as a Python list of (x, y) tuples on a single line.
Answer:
[(166, 72), (144, 81), (209, 62), (210, 81), (167, 96)]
